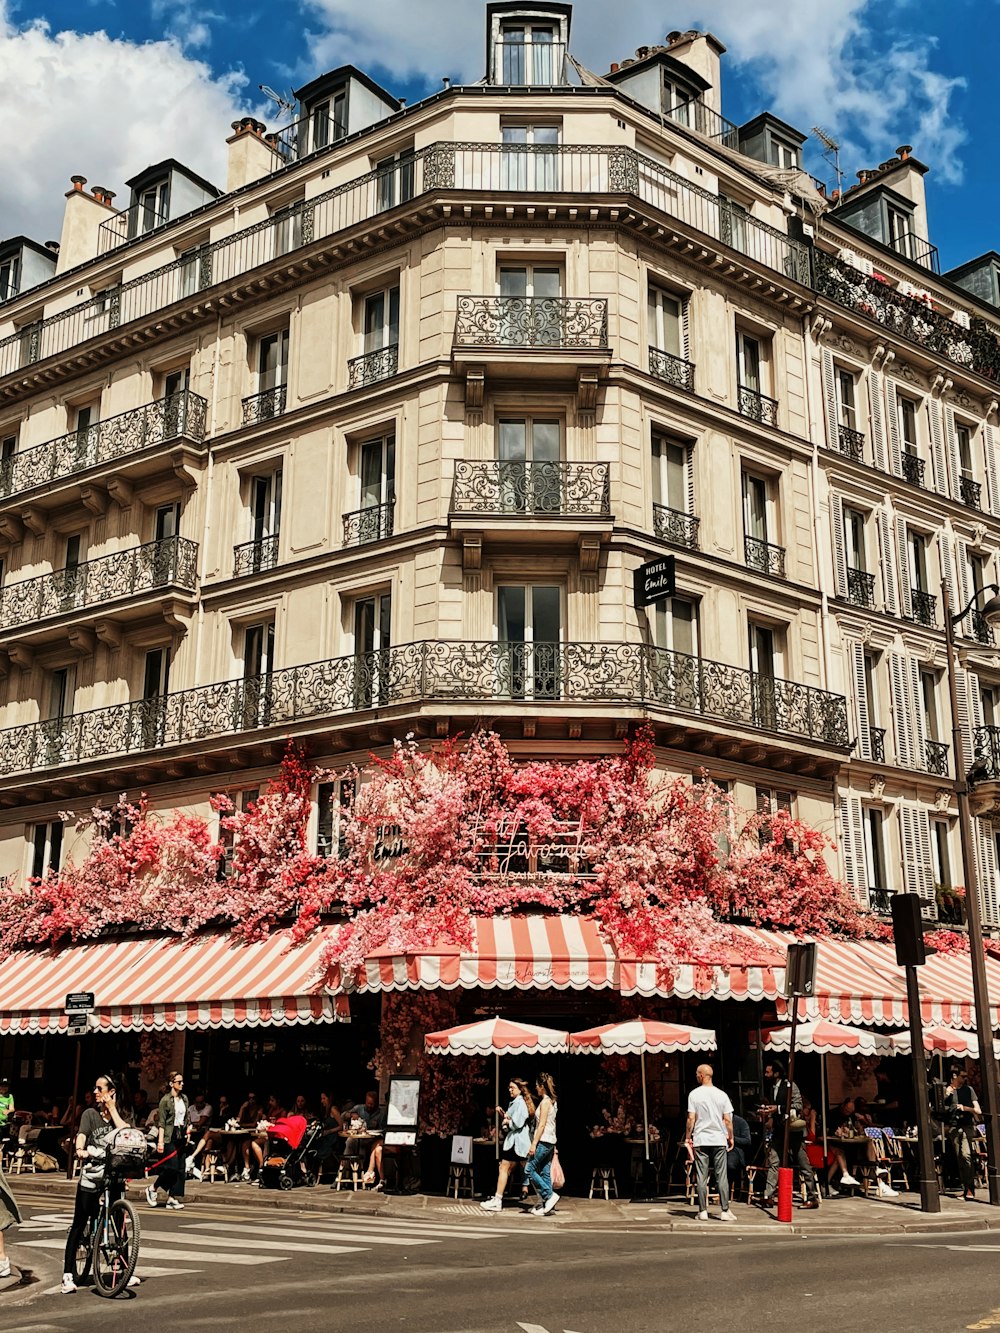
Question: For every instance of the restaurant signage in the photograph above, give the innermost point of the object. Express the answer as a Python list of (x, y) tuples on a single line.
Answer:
[(654, 581)]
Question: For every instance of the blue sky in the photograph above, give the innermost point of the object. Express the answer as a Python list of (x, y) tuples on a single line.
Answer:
[(105, 87)]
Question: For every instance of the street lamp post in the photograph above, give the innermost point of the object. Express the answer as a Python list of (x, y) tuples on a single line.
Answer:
[(980, 988)]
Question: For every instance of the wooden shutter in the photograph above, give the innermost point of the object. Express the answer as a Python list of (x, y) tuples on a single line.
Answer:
[(919, 736), (951, 436), (937, 445), (839, 547), (970, 715), (989, 872), (690, 481), (963, 589), (905, 582), (992, 470), (947, 561), (876, 405), (890, 598), (902, 718), (856, 652), (915, 836), (892, 412), (830, 399), (852, 842)]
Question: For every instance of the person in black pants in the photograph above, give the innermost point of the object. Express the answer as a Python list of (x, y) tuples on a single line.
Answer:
[(776, 1096), (171, 1144), (96, 1125)]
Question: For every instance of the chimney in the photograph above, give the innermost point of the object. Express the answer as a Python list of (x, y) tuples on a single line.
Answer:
[(82, 218), (703, 53), (251, 157), (445, 82)]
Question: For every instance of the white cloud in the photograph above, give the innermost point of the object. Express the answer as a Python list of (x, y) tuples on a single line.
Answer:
[(102, 107), (186, 20)]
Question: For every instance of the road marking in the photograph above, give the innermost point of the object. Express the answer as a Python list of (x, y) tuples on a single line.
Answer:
[(293, 1233), (537, 1328), (992, 1320), (393, 1228), (154, 1252)]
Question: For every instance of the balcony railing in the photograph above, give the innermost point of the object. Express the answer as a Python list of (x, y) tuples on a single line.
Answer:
[(302, 137), (486, 169), (860, 587), (936, 756), (986, 748), (581, 490), (923, 606), (758, 407), (880, 901), (971, 492), (126, 225), (977, 347), (452, 670), (373, 523), (265, 406), (255, 557), (697, 116), (673, 369), (851, 443), (371, 367), (179, 416), (673, 525), (979, 627), (764, 556), (172, 562), (532, 321), (913, 468), (917, 250), (526, 64), (876, 744)]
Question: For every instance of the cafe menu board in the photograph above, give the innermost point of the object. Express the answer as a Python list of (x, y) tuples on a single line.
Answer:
[(401, 1117)]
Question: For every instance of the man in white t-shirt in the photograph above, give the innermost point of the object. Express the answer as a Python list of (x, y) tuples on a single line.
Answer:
[(710, 1133)]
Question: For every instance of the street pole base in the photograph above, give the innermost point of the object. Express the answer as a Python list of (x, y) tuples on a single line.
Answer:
[(786, 1179)]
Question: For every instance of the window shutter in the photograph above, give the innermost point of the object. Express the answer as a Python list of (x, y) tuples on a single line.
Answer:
[(901, 715), (876, 405), (892, 411), (888, 563), (915, 835), (946, 557), (852, 840), (992, 471), (937, 444), (953, 456), (986, 864), (690, 482), (830, 400), (970, 708), (962, 569), (917, 713), (905, 605), (839, 551), (857, 655)]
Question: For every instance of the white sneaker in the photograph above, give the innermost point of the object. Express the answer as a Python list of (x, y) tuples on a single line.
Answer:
[(174, 1203), (196, 1172), (4, 1268), (245, 1175), (727, 1216), (68, 1285), (537, 1211), (492, 1205), (151, 1195), (133, 1281), (550, 1202), (885, 1191), (703, 1217), (847, 1179)]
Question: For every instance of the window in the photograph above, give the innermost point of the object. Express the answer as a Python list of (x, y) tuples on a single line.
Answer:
[(327, 122), (675, 625), (272, 363), (666, 322), (167, 522), (763, 667), (73, 582), (759, 525), (46, 847), (333, 801), (530, 315), (874, 831), (378, 490), (242, 801), (749, 361), (8, 448), (847, 410), (152, 206), (529, 628), (258, 664), (265, 506), (529, 452), (372, 640), (939, 853), (381, 320), (964, 437), (770, 800), (928, 703), (287, 224), (395, 178), (733, 223), (155, 687), (62, 689), (908, 424), (854, 539), (528, 159), (677, 101), (528, 53), (917, 546), (990, 697), (900, 234), (10, 276), (87, 432), (784, 155), (671, 463), (195, 269)]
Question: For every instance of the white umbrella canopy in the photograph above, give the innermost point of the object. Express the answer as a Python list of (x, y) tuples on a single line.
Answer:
[(941, 1040), (824, 1037)]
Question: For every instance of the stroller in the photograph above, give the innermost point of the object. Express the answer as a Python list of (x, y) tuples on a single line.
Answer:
[(290, 1157)]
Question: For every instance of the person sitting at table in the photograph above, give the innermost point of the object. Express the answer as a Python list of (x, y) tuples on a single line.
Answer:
[(851, 1122), (300, 1106), (214, 1138), (256, 1144), (331, 1123), (250, 1112), (369, 1111), (200, 1113)]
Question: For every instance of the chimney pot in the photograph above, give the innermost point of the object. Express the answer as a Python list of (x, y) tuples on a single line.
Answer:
[(672, 37), (615, 67), (446, 81), (78, 182), (904, 152), (641, 52), (53, 246)]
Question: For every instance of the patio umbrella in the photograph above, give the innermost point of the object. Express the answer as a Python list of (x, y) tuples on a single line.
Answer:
[(941, 1041), (496, 1037), (637, 1036)]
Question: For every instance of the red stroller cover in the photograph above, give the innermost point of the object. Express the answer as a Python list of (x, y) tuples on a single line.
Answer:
[(291, 1128)]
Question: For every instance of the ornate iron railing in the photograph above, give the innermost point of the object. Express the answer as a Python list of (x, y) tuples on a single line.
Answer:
[(172, 562), (452, 670), (505, 487), (851, 442), (255, 557), (971, 492), (265, 406), (371, 367), (986, 749), (976, 347), (126, 225), (979, 627), (308, 134), (528, 64), (487, 169), (917, 250), (764, 556), (673, 369), (923, 606), (532, 321), (913, 468), (179, 416), (936, 757), (373, 523), (758, 407), (876, 743), (860, 587), (879, 900), (672, 525)]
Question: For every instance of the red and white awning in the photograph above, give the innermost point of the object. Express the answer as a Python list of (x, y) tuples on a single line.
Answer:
[(496, 1036), (641, 1036), (165, 984), (824, 1037)]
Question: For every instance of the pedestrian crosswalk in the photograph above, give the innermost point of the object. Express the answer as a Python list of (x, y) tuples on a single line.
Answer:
[(183, 1243)]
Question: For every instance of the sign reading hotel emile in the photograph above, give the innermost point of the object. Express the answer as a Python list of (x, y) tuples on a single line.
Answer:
[(654, 581)]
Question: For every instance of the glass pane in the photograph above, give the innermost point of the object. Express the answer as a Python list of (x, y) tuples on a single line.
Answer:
[(393, 316), (385, 619), (545, 615), (364, 625), (510, 614), (512, 441), (514, 282), (546, 282), (371, 473), (676, 463), (682, 626), (545, 441), (374, 322)]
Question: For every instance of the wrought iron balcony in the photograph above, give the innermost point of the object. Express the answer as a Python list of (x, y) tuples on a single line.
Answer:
[(971, 492), (501, 486), (758, 407), (672, 525), (528, 64), (936, 757), (979, 627), (764, 556), (633, 674), (851, 443), (264, 406), (880, 901), (860, 587), (975, 347), (697, 116), (172, 562), (673, 369), (923, 606), (126, 225), (876, 744), (371, 367), (913, 468), (986, 747), (179, 416), (373, 523), (532, 322), (302, 137), (917, 250), (255, 557)]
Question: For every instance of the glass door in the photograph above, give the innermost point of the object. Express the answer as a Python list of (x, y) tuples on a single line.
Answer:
[(372, 642), (529, 466), (258, 665), (529, 629), (762, 669)]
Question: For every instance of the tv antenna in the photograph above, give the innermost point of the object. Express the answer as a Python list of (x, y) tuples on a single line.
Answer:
[(831, 152), (284, 103)]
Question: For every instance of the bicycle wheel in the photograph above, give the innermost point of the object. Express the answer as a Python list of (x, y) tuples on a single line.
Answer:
[(83, 1255), (116, 1248)]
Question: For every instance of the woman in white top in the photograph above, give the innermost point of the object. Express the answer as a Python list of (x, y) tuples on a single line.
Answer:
[(538, 1168)]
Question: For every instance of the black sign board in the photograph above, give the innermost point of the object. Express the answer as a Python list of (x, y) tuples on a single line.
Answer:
[(77, 1024), (654, 581), (83, 999)]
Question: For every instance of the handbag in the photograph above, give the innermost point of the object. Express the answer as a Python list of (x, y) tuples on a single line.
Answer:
[(558, 1175), (797, 1125)]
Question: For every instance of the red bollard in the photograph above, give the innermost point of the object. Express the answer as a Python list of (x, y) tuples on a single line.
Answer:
[(786, 1177)]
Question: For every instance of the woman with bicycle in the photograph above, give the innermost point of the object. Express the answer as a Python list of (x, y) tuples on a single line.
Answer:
[(96, 1125)]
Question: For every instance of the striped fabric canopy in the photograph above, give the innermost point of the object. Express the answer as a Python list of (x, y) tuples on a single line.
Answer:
[(496, 1036)]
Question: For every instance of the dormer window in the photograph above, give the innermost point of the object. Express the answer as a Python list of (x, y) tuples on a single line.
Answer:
[(10, 273), (527, 42), (154, 203), (328, 121), (678, 101)]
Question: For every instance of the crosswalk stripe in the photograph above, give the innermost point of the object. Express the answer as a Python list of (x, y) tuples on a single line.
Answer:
[(294, 1232), (243, 1242), (155, 1252), (390, 1226)]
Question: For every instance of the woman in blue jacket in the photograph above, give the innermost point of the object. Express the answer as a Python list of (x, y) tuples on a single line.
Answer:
[(517, 1138)]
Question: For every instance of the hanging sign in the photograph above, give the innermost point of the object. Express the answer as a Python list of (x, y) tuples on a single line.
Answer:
[(654, 581)]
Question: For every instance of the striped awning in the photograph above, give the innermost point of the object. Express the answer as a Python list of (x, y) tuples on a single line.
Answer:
[(165, 984)]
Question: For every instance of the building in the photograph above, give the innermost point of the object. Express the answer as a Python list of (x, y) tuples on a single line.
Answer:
[(372, 440)]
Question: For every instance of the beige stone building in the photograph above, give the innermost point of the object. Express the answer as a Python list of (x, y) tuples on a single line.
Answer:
[(372, 441)]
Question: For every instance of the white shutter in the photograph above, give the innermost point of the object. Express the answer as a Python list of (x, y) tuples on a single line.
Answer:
[(917, 712), (877, 413), (964, 684), (856, 652), (888, 563), (915, 835), (892, 412), (992, 477), (905, 582), (830, 399), (901, 712), (964, 590), (852, 841), (839, 552), (937, 444), (690, 481), (953, 455), (989, 873), (946, 558)]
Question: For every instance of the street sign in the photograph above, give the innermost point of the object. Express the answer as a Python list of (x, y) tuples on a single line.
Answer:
[(81, 1001), (77, 1024), (654, 581)]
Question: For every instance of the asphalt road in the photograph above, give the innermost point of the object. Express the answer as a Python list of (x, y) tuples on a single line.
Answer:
[(229, 1268)]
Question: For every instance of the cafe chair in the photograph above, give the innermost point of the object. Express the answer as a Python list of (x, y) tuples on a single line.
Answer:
[(894, 1159), (460, 1181), (212, 1165), (350, 1173), (603, 1178)]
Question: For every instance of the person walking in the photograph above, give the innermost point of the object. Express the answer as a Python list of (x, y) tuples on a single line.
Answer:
[(517, 1139), (97, 1124), (963, 1113), (9, 1216), (710, 1134), (538, 1168), (171, 1144), (776, 1094)]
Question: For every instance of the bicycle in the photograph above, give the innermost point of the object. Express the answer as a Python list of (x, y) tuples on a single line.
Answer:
[(109, 1245)]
